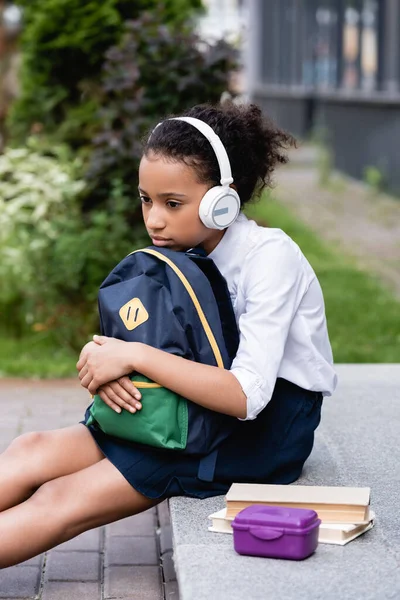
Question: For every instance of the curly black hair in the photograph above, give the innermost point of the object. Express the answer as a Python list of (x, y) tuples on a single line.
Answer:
[(253, 143)]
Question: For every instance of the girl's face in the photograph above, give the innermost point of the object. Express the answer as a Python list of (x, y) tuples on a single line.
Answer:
[(171, 195)]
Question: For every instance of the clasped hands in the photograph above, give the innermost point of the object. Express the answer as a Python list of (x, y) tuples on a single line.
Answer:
[(103, 366)]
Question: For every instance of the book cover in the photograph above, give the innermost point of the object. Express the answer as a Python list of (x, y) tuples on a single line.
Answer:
[(303, 494), (333, 504), (343, 533)]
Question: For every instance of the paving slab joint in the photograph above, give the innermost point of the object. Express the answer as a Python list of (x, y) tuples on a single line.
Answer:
[(102, 561), (165, 552), (42, 577)]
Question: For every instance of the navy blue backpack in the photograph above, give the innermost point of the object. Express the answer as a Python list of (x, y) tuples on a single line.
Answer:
[(177, 302)]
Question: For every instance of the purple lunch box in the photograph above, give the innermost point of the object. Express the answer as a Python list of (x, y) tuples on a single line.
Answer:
[(276, 531)]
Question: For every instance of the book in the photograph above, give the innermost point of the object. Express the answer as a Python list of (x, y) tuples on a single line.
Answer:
[(343, 533), (329, 533), (220, 522), (333, 504)]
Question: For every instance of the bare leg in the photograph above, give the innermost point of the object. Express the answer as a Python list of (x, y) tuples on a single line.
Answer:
[(65, 507), (34, 458)]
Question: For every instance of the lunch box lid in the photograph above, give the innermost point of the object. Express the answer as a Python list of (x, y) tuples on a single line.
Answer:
[(288, 518)]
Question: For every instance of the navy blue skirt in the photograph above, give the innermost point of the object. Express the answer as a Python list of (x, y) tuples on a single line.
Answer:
[(270, 449)]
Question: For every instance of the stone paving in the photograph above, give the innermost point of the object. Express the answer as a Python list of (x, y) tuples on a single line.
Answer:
[(130, 559)]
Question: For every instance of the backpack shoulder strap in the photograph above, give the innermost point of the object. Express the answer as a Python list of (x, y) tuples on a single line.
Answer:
[(223, 298), (208, 331), (197, 256)]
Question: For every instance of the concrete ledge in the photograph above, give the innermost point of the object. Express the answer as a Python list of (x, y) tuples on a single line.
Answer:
[(358, 443)]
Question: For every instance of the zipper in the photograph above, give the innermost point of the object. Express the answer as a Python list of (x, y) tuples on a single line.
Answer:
[(145, 384), (141, 385)]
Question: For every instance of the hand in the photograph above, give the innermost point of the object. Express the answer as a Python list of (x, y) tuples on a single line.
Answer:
[(104, 360), (121, 394)]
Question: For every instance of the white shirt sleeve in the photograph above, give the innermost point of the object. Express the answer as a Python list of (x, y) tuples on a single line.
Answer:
[(273, 282)]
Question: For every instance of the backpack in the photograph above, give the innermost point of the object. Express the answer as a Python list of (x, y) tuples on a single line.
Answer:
[(177, 302)]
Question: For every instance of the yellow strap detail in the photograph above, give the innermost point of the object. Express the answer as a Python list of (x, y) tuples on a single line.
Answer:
[(190, 291), (145, 384)]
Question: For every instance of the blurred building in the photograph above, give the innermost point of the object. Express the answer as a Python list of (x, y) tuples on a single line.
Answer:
[(222, 18), (331, 67), (227, 19)]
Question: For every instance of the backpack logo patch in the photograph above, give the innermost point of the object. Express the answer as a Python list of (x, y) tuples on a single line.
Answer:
[(133, 314)]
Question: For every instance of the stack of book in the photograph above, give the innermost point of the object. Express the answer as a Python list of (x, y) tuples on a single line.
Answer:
[(344, 511)]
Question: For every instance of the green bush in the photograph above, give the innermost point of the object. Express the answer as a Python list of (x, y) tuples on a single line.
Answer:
[(63, 228), (375, 178), (53, 259), (155, 71), (34, 190), (63, 46)]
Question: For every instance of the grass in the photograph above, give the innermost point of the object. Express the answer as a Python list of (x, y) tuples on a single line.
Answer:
[(363, 316), (35, 356)]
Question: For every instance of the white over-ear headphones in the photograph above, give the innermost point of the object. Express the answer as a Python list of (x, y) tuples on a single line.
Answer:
[(220, 205)]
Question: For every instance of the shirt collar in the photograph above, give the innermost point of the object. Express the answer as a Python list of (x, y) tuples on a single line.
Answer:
[(230, 241)]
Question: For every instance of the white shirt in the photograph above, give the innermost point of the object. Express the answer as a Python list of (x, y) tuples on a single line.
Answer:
[(280, 312)]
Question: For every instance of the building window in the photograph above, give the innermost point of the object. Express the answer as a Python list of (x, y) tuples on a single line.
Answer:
[(369, 46), (326, 17), (322, 44), (351, 47), (360, 45)]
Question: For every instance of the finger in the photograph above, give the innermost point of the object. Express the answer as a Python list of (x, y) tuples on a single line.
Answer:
[(83, 355), (81, 362), (93, 385), (114, 397), (129, 386), (104, 396), (124, 395), (100, 339), (85, 382), (83, 372)]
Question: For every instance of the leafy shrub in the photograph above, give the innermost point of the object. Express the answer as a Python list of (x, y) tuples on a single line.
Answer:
[(156, 70), (375, 178), (63, 46), (53, 255), (52, 259)]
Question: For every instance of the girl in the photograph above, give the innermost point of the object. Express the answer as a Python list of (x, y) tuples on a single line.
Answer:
[(55, 485)]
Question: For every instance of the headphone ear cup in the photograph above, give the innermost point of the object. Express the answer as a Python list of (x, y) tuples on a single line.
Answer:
[(219, 207)]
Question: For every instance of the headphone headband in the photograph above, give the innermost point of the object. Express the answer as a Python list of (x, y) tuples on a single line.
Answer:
[(220, 205), (217, 145)]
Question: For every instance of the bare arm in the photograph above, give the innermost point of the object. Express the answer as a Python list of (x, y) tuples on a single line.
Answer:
[(108, 359), (208, 386)]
